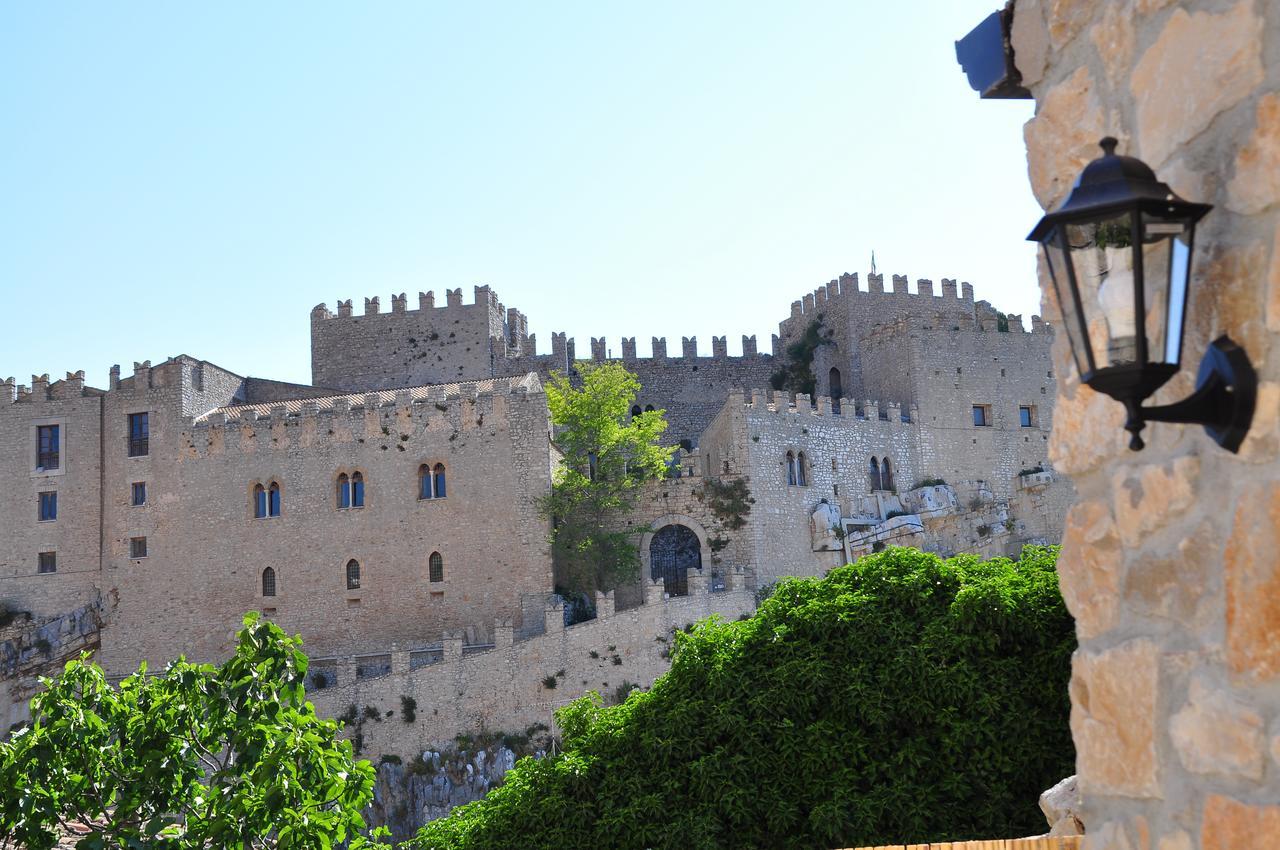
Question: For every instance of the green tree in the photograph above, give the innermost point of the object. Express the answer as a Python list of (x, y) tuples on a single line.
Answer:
[(900, 699), (608, 455), (196, 757)]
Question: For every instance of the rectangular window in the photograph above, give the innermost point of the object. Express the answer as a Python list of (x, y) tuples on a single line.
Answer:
[(139, 493), (1026, 416), (47, 447), (139, 435), (48, 506), (981, 415), (48, 562), (137, 547)]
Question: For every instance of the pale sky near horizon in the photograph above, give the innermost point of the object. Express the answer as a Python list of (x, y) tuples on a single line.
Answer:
[(194, 179)]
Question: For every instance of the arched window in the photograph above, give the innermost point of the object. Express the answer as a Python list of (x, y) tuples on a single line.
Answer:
[(357, 490), (836, 388), (791, 469), (874, 473), (273, 499), (435, 567), (424, 482), (269, 582), (344, 491), (635, 410), (259, 501), (886, 475), (437, 480), (801, 475), (353, 574)]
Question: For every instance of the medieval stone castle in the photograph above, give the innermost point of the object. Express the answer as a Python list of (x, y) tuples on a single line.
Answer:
[(395, 500)]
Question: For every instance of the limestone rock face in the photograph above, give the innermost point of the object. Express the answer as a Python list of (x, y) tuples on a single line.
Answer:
[(406, 797), (1061, 807)]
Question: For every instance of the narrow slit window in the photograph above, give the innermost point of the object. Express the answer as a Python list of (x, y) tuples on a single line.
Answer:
[(801, 475), (886, 475), (424, 482), (791, 469), (435, 567), (357, 490), (139, 495), (873, 472), (273, 499), (438, 481), (259, 501), (269, 582)]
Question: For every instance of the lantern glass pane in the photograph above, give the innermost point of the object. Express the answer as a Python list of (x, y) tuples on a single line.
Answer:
[(1166, 261), (1102, 256), (1055, 254)]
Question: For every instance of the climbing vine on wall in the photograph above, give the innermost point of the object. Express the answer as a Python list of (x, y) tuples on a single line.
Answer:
[(730, 502), (797, 376)]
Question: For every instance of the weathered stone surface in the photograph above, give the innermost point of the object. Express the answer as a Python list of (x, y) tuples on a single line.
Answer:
[(1256, 184), (1179, 587), (1030, 38), (1149, 497), (1231, 825), (1113, 36), (1061, 805), (1063, 136), (1089, 568), (1146, 7), (1113, 719), (1177, 97), (1273, 284), (1215, 733), (1088, 431), (1252, 562), (1180, 840), (1109, 836), (1262, 443), (1229, 298), (1068, 18)]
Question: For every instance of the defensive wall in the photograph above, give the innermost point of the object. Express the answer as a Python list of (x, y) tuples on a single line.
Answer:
[(513, 684)]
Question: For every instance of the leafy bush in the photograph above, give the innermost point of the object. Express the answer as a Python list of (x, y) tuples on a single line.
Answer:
[(408, 708), (194, 755), (929, 482), (902, 698)]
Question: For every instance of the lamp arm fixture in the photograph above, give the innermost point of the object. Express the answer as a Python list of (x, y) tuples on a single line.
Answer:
[(1223, 402)]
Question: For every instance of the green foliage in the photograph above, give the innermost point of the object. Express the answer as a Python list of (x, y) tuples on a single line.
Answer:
[(901, 698), (730, 501), (197, 756), (609, 454), (10, 615), (408, 709), (549, 682), (797, 375), (1002, 322), (929, 482)]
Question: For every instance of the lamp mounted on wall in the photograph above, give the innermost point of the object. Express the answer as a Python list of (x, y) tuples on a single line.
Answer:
[(1119, 253)]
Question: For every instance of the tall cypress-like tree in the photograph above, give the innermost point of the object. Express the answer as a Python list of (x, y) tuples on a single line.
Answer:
[(608, 455)]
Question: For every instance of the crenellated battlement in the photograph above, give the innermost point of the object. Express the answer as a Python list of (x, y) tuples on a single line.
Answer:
[(43, 389), (688, 349), (483, 297), (847, 286), (869, 410)]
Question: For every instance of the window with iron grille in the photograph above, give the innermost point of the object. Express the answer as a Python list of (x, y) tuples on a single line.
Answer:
[(47, 447), (353, 574), (139, 493), (435, 566), (47, 562), (137, 547), (48, 506), (139, 434), (268, 582)]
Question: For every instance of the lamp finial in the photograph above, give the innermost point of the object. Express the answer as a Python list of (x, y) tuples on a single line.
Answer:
[(1108, 145)]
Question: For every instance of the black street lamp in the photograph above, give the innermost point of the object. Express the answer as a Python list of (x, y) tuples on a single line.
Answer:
[(1119, 253)]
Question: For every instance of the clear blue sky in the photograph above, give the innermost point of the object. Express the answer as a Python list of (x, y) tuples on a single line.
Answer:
[(194, 178)]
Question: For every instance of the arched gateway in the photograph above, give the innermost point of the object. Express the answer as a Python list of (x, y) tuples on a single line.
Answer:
[(673, 551)]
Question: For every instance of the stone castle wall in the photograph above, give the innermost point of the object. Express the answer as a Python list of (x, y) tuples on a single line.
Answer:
[(1169, 562), (503, 688)]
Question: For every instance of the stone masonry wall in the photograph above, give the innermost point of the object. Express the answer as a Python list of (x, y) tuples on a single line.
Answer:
[(1171, 558), (503, 689), (206, 552), (74, 535)]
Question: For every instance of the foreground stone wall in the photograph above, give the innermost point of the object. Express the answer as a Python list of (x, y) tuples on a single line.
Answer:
[(504, 688), (1171, 558)]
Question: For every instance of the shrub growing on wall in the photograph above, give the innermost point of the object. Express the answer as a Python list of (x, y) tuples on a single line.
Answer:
[(900, 699)]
